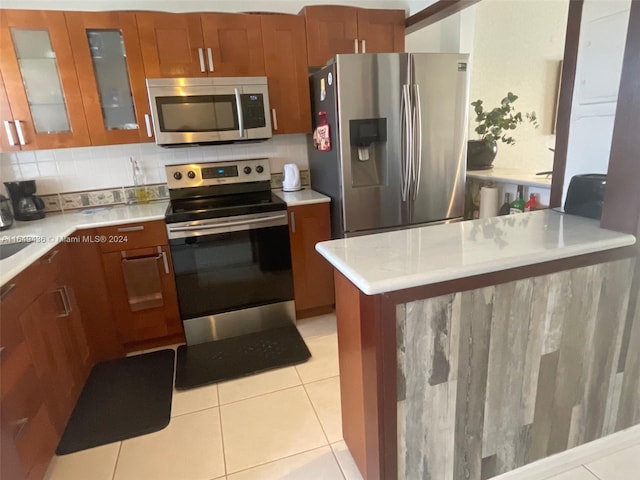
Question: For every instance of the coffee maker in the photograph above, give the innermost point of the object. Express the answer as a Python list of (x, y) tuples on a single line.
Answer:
[(26, 205)]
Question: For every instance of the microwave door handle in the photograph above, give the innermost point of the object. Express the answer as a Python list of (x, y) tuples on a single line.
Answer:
[(240, 118)]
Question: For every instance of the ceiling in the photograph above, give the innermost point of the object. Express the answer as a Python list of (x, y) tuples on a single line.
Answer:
[(285, 6)]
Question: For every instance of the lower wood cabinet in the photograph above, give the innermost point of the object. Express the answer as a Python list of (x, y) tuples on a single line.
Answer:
[(141, 286), (44, 363), (312, 274)]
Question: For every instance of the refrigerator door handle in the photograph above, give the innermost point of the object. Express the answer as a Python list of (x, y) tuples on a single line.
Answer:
[(417, 140), (406, 142)]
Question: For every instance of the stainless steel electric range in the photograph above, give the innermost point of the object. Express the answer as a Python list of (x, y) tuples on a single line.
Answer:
[(229, 242)]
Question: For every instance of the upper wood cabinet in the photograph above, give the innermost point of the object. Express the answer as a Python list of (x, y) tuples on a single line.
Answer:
[(285, 57), (108, 61), (192, 45), (40, 79), (381, 31), (337, 29), (8, 136)]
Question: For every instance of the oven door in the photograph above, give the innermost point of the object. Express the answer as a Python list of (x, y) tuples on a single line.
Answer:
[(205, 111), (233, 275)]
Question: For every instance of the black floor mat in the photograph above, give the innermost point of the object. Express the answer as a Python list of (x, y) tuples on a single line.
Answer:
[(122, 398), (235, 357)]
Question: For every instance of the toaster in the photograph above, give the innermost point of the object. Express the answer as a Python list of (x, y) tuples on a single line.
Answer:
[(585, 195)]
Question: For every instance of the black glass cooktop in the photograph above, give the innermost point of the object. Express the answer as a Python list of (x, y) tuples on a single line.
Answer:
[(186, 210)]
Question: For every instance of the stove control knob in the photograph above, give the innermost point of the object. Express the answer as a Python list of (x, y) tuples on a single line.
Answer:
[(247, 170), (259, 169), (177, 175), (191, 174)]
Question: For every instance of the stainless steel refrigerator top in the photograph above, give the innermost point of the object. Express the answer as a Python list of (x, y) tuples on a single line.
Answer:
[(398, 127)]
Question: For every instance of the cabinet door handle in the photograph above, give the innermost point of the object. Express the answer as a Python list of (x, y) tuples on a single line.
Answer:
[(161, 255), (19, 131), (364, 46), (136, 228), (292, 216), (165, 262), (21, 426), (50, 257), (201, 56), (66, 304), (6, 290), (210, 58), (275, 119), (147, 122), (7, 128), (355, 45)]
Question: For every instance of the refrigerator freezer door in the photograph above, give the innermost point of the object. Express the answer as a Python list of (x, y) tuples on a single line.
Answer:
[(441, 88), (370, 87)]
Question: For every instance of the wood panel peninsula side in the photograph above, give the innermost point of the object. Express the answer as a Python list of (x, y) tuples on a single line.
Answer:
[(470, 349)]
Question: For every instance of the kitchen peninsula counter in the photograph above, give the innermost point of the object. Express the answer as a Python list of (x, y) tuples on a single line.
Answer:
[(48, 232), (421, 256), (470, 349)]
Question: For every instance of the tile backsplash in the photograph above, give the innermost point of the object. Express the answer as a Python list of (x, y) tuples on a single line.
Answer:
[(108, 169)]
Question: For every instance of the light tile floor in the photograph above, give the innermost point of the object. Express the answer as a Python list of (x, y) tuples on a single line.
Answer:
[(282, 424)]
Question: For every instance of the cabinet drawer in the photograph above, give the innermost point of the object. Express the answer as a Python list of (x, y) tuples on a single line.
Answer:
[(51, 264), (15, 296), (132, 235), (36, 443)]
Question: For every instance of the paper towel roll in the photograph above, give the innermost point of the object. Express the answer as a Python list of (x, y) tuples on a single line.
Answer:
[(488, 202)]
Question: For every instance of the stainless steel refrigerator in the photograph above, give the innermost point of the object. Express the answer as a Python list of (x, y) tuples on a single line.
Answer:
[(398, 124)]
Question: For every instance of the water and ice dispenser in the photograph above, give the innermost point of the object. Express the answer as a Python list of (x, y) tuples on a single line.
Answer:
[(368, 138)]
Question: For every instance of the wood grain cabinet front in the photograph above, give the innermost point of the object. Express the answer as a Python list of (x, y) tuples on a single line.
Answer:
[(333, 29), (312, 275), (141, 285), (108, 60), (285, 57), (40, 79), (44, 362), (198, 45), (54, 330)]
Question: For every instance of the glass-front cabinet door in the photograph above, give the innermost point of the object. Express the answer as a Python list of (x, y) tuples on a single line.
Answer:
[(40, 79), (111, 75)]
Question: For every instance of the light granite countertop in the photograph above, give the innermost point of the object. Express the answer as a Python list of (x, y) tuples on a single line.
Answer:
[(408, 258), (305, 196), (53, 229), (511, 175)]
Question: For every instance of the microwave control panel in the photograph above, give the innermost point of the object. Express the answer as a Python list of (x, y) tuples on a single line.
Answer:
[(218, 173), (253, 110)]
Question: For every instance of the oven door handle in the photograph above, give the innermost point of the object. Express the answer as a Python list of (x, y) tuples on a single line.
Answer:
[(192, 228)]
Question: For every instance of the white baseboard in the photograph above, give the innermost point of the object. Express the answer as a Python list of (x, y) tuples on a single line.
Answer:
[(573, 458)]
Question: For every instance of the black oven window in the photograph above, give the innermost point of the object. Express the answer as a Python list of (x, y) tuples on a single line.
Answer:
[(232, 271), (197, 113)]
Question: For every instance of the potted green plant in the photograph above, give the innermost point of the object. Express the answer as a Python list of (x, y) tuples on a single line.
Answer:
[(494, 125)]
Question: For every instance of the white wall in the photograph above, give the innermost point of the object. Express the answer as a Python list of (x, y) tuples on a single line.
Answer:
[(600, 55), (518, 47), (454, 34)]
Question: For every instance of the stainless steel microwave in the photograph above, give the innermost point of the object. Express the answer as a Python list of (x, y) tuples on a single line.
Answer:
[(209, 110)]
